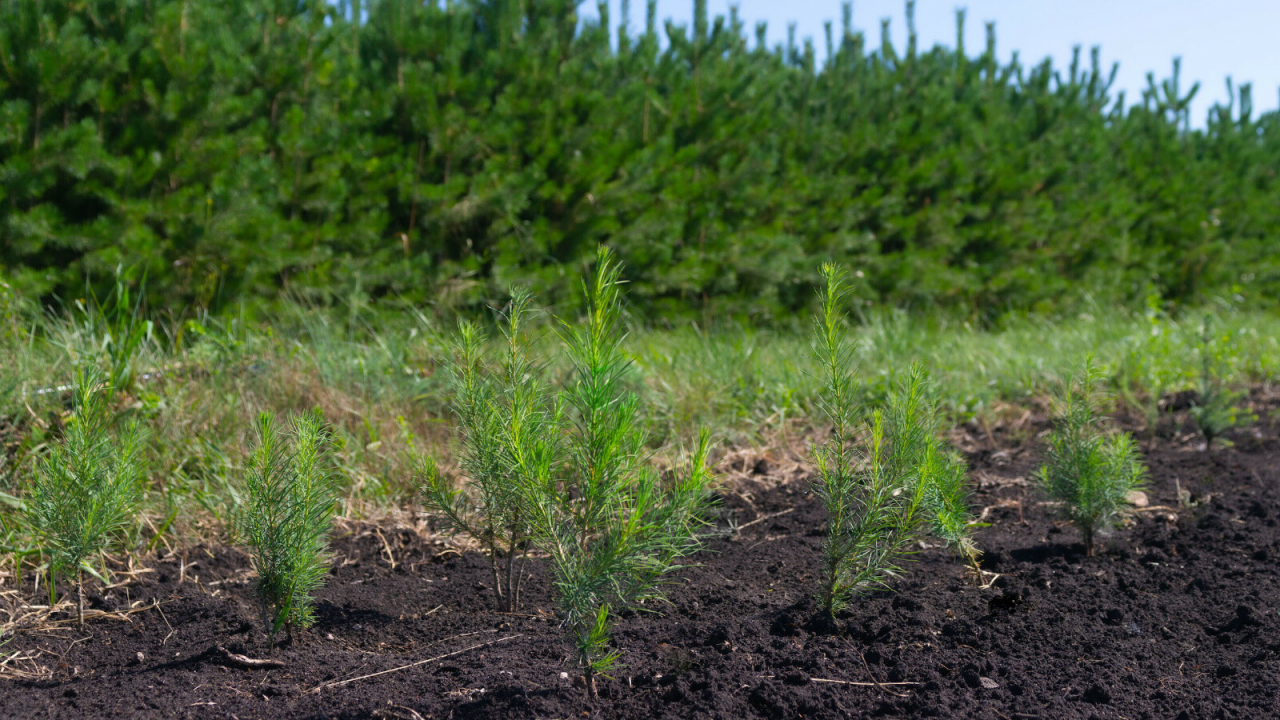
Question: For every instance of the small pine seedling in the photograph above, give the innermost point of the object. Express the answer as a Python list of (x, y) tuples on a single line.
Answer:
[(611, 525), (1091, 471), (509, 432), (946, 498), (878, 499), (1214, 410), (87, 490), (286, 520)]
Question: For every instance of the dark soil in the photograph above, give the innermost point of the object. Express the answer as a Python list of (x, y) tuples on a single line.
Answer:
[(1176, 618)]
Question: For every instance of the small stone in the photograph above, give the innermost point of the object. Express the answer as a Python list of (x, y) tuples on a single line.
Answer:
[(564, 676), (988, 683), (141, 657), (329, 636), (1137, 498)]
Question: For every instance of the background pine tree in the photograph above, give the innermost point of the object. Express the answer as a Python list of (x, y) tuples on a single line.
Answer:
[(241, 149)]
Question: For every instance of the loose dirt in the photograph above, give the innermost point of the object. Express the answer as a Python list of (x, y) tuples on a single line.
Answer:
[(1176, 618)]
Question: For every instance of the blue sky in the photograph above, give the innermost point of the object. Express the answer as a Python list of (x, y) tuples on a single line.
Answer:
[(1215, 39)]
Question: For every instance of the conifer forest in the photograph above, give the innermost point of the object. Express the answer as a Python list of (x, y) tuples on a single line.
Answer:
[(493, 359)]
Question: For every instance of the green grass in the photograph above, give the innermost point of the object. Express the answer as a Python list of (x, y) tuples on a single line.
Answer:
[(380, 383)]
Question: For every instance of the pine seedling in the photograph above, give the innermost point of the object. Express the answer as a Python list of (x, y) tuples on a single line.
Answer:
[(1214, 410), (1089, 470), (87, 490), (880, 497), (611, 525), (509, 429), (872, 496), (290, 500), (946, 499)]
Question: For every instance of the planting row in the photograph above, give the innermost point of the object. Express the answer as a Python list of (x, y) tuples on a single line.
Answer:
[(562, 470)]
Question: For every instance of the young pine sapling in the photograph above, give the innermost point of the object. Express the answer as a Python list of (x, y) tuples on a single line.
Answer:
[(1092, 472), (291, 498), (1214, 410), (878, 498), (610, 523), (946, 499), (87, 490), (509, 428)]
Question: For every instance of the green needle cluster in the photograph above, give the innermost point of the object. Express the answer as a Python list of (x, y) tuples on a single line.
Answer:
[(286, 518), (1086, 468), (508, 422), (88, 489), (1215, 410), (881, 494), (614, 528), (567, 470)]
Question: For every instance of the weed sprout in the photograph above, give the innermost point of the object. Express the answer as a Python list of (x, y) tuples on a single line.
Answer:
[(88, 489), (286, 519), (1091, 471)]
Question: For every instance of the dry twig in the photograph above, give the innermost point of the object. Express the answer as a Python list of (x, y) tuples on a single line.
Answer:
[(245, 662), (337, 683)]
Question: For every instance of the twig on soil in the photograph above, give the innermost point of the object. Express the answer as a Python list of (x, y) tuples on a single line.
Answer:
[(22, 665), (390, 713), (387, 547), (36, 617), (879, 685), (337, 683), (860, 684), (762, 518), (166, 623), (247, 663), (986, 578), (998, 506), (875, 682), (767, 538)]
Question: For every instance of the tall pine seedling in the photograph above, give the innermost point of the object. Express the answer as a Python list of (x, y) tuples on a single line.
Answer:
[(510, 439), (879, 493), (613, 527)]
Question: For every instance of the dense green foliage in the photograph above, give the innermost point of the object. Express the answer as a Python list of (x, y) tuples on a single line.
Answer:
[(440, 152)]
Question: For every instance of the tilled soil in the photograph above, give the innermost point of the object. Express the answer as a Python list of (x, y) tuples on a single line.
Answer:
[(1176, 618)]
